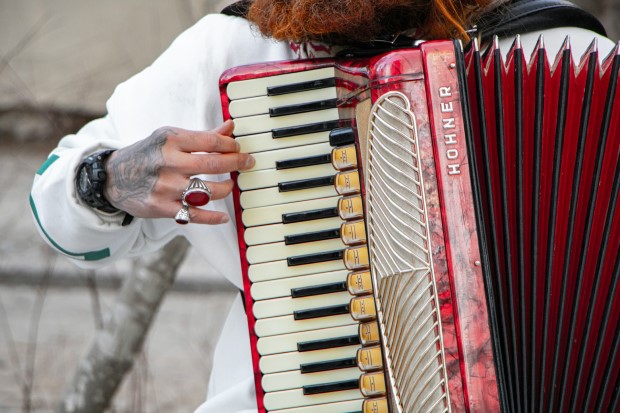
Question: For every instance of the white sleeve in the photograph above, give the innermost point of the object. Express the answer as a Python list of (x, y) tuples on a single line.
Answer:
[(179, 89)]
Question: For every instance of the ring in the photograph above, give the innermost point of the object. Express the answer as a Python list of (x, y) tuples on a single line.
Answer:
[(182, 217), (197, 193)]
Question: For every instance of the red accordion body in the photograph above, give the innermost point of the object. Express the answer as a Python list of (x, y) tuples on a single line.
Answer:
[(487, 226)]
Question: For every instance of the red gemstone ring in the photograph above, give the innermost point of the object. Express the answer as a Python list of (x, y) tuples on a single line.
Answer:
[(197, 193)]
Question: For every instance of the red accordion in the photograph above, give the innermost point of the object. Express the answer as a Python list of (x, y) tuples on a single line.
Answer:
[(431, 230)]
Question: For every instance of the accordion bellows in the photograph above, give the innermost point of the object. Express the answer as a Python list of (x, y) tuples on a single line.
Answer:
[(431, 230)]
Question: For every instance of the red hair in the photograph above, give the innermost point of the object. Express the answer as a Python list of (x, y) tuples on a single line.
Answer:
[(362, 20)]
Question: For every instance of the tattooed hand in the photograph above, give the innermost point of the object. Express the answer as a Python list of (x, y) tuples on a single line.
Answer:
[(147, 178)]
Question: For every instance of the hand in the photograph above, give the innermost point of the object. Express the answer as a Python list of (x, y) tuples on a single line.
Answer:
[(147, 178)]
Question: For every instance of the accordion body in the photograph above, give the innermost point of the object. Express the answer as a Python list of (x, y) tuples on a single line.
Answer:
[(431, 230)]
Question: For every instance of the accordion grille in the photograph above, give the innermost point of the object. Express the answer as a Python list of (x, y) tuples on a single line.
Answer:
[(401, 261)]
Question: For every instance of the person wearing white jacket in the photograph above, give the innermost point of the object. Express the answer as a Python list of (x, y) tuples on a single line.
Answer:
[(164, 126)]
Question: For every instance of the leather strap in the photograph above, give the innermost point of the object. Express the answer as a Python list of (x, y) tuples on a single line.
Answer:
[(522, 16), (238, 9)]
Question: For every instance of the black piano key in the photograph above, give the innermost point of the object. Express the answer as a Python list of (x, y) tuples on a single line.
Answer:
[(301, 86), (303, 107), (321, 312), (331, 387), (342, 136), (309, 215), (306, 183), (312, 236), (304, 129), (308, 161), (318, 289), (328, 343), (328, 365), (314, 258)]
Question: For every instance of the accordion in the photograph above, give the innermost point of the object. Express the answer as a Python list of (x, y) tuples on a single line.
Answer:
[(431, 229)]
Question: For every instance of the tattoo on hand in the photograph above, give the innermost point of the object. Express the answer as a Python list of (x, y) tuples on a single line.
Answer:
[(135, 171)]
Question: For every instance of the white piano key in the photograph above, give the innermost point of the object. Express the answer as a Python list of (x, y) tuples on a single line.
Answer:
[(295, 398), (261, 104), (262, 142), (288, 342), (271, 196), (287, 324), (276, 232), (280, 269), (273, 214), (279, 251), (292, 361), (264, 123), (287, 305), (294, 379), (272, 177), (268, 159), (282, 288), (258, 86), (339, 407)]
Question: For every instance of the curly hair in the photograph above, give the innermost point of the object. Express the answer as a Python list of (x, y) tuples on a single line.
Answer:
[(345, 21)]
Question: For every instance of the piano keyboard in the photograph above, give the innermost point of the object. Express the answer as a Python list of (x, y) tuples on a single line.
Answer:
[(302, 213)]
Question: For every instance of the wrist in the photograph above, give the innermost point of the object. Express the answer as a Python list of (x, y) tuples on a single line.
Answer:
[(91, 180), (108, 186)]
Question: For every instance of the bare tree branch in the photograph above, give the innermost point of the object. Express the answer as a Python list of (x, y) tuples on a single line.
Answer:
[(114, 348), (33, 339), (91, 282), (23, 42), (7, 333)]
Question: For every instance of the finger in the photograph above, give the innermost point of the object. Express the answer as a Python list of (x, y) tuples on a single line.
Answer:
[(165, 201), (221, 163), (198, 215), (172, 190), (201, 216), (225, 128), (220, 190), (206, 141)]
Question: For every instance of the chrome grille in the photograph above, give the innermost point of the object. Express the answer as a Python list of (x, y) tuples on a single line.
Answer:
[(401, 262)]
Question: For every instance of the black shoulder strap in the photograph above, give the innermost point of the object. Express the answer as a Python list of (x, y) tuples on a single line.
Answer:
[(239, 8), (522, 16)]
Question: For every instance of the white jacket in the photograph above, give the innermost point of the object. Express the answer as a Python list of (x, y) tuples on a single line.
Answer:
[(180, 89)]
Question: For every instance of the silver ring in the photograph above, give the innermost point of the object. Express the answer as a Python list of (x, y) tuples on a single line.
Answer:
[(197, 193), (182, 217)]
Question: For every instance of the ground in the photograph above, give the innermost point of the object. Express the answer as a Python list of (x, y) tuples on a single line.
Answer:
[(170, 376)]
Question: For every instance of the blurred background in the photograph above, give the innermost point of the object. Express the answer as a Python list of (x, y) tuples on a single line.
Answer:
[(59, 62)]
